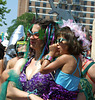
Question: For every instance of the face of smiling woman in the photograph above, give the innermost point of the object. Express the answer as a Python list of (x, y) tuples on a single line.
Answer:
[(35, 42)]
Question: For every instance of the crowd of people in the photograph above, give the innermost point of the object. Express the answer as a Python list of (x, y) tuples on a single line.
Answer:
[(50, 64)]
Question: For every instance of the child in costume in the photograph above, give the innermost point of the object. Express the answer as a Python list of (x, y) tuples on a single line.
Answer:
[(71, 43)]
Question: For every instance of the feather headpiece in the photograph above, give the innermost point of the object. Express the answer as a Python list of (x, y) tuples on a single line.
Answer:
[(77, 29)]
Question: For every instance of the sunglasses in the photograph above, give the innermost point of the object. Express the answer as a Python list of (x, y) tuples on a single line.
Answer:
[(35, 34), (60, 40), (21, 44)]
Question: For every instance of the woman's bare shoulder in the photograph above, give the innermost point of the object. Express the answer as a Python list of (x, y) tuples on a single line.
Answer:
[(19, 64)]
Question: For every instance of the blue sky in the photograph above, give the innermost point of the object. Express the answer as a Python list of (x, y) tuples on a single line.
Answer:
[(13, 5)]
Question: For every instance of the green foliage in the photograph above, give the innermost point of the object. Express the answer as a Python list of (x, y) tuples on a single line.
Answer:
[(3, 10), (25, 20), (0, 37)]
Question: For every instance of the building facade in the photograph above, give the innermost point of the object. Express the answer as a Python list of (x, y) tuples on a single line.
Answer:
[(82, 10), (93, 42)]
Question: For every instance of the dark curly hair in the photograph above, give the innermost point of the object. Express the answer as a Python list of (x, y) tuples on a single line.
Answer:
[(2, 49), (44, 22), (47, 24), (74, 46)]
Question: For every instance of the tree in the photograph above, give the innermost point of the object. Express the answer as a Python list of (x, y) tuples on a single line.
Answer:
[(25, 20), (3, 10)]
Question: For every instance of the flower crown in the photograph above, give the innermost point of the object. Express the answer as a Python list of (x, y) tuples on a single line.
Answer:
[(77, 29)]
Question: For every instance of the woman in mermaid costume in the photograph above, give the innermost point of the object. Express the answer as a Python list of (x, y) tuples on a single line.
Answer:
[(26, 82)]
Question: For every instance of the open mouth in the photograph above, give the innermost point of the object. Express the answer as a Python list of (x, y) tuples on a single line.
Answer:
[(32, 42)]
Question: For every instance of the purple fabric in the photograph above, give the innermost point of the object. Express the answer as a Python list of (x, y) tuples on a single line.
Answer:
[(57, 92), (44, 86)]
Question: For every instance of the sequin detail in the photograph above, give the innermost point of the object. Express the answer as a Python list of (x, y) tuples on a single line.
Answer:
[(45, 87)]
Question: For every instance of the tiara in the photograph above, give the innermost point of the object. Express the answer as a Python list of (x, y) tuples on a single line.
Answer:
[(77, 29)]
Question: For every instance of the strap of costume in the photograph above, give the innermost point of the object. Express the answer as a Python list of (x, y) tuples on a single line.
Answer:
[(86, 69), (84, 64), (77, 67), (13, 77), (91, 78)]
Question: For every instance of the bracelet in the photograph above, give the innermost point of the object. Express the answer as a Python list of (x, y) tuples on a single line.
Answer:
[(28, 96), (47, 57), (34, 91)]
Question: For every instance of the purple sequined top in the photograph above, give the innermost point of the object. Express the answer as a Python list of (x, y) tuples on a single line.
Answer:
[(44, 86), (38, 84)]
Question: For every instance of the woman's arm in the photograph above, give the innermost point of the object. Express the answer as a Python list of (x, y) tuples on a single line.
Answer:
[(19, 64), (16, 94), (4, 76), (1, 66)]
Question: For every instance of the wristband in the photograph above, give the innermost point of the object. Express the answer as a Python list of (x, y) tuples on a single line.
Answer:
[(47, 57), (34, 91), (28, 96)]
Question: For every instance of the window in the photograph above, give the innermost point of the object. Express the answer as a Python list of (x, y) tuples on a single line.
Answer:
[(74, 14), (51, 17), (92, 9), (44, 4), (37, 9), (60, 5), (30, 9), (91, 21), (66, 6), (85, 2), (84, 26), (85, 8), (76, 1), (37, 3), (78, 20), (78, 8), (84, 20), (84, 14), (90, 28), (43, 16), (91, 15), (44, 10), (29, 3), (92, 3), (62, 1), (71, 7)]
